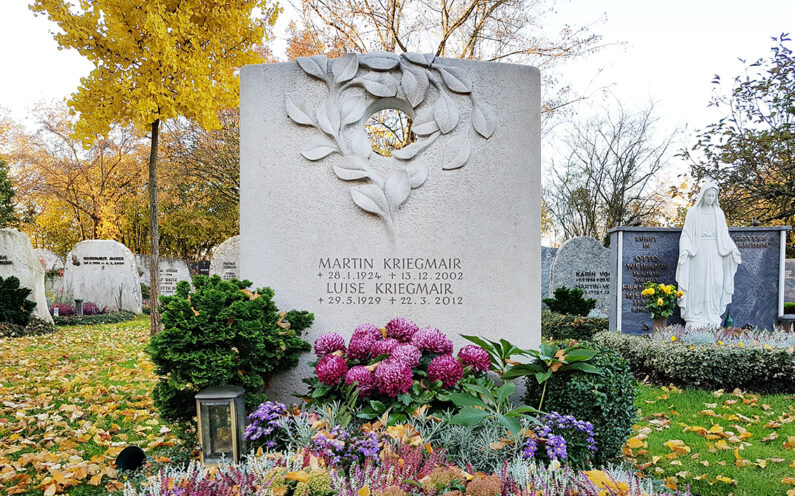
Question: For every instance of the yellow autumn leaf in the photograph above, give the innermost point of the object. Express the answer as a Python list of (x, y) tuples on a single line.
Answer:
[(677, 446), (364, 491), (634, 443)]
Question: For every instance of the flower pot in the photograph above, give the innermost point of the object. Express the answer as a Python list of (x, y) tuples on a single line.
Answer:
[(660, 324)]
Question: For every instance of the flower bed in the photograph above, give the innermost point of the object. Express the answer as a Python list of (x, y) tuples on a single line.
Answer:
[(747, 361), (95, 319)]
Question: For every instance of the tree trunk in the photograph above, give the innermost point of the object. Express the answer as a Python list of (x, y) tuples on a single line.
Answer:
[(154, 249)]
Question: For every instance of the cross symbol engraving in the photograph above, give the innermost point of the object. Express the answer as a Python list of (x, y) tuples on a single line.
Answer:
[(320, 274), (320, 300), (392, 300)]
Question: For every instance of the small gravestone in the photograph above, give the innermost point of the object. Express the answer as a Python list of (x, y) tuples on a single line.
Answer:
[(642, 254), (583, 263), (200, 268), (789, 280), (18, 259), (103, 272), (172, 270), (53, 272), (226, 259), (547, 257)]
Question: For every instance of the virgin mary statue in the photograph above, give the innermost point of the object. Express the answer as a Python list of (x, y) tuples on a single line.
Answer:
[(708, 260)]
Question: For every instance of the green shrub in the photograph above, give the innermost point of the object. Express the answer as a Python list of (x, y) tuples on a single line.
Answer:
[(789, 307), (145, 293), (606, 399), (558, 326), (15, 308), (35, 327), (102, 318), (221, 334), (706, 366), (570, 302)]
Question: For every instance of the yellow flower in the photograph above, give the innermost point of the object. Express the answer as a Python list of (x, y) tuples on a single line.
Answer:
[(673, 338), (742, 344), (647, 292), (668, 289), (680, 293), (720, 342), (659, 302), (692, 347)]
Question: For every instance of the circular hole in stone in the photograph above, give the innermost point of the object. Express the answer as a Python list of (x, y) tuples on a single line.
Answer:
[(389, 130)]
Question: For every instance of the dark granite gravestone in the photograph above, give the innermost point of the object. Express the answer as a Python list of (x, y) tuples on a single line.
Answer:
[(789, 280), (640, 254), (200, 268), (583, 262), (547, 257)]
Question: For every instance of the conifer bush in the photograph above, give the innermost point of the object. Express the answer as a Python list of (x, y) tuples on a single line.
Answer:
[(15, 308), (222, 334)]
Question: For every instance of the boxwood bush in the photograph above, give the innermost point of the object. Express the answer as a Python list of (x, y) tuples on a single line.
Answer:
[(35, 327), (558, 326), (707, 366), (15, 308), (606, 399), (221, 334), (789, 307)]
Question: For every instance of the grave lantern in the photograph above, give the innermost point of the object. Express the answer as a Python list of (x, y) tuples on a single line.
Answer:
[(221, 417)]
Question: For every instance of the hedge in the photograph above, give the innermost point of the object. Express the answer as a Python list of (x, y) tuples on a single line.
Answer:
[(707, 366), (558, 326), (35, 327), (103, 318)]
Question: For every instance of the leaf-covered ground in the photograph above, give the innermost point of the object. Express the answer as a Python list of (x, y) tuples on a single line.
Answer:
[(70, 402), (718, 443)]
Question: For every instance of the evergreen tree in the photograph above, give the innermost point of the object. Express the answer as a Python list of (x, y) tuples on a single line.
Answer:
[(8, 216)]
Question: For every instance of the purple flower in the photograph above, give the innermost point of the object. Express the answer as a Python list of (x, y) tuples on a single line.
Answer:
[(361, 346), (393, 377), (363, 378), (369, 330), (384, 346), (327, 344), (475, 356), (330, 369), (447, 369), (406, 353), (434, 340), (401, 329), (556, 447), (530, 447)]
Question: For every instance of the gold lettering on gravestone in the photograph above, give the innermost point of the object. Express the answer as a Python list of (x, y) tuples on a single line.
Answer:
[(392, 281)]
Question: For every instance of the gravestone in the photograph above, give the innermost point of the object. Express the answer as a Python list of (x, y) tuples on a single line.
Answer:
[(583, 262), (225, 261), (547, 257), (103, 272), (641, 254), (789, 280), (172, 270), (53, 272), (18, 259), (200, 268), (445, 231)]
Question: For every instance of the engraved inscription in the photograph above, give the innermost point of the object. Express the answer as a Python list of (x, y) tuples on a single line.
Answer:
[(103, 260), (5, 261)]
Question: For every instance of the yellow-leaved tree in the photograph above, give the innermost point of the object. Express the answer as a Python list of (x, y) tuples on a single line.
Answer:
[(156, 60)]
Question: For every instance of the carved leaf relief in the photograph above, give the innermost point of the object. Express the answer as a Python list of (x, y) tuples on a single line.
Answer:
[(360, 144), (380, 61), (328, 117), (445, 113), (418, 173), (397, 188), (424, 60), (383, 87), (408, 152), (345, 67), (318, 147), (457, 153), (350, 168), (415, 85), (315, 65), (484, 119), (298, 110), (352, 109), (455, 79), (370, 198)]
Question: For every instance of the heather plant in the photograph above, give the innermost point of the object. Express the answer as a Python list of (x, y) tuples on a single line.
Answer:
[(15, 308), (221, 334), (678, 334), (394, 370)]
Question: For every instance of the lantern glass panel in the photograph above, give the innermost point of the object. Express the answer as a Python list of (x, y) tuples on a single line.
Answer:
[(217, 432)]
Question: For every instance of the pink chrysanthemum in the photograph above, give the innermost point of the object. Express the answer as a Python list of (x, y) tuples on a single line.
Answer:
[(434, 340), (364, 379), (330, 369), (401, 329), (406, 353), (327, 344), (475, 356), (369, 330), (384, 346), (361, 346), (393, 378), (445, 368)]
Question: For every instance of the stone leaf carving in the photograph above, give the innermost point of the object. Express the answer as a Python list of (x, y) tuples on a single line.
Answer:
[(354, 81)]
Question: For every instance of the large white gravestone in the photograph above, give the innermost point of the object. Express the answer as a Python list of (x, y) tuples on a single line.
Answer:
[(103, 272), (53, 272), (18, 259), (445, 231), (172, 270), (49, 260), (225, 261)]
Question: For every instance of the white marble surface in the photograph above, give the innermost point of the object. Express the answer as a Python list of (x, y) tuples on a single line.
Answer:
[(103, 272), (225, 261), (17, 258)]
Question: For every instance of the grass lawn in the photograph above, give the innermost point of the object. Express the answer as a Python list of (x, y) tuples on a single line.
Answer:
[(69, 402), (718, 443)]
